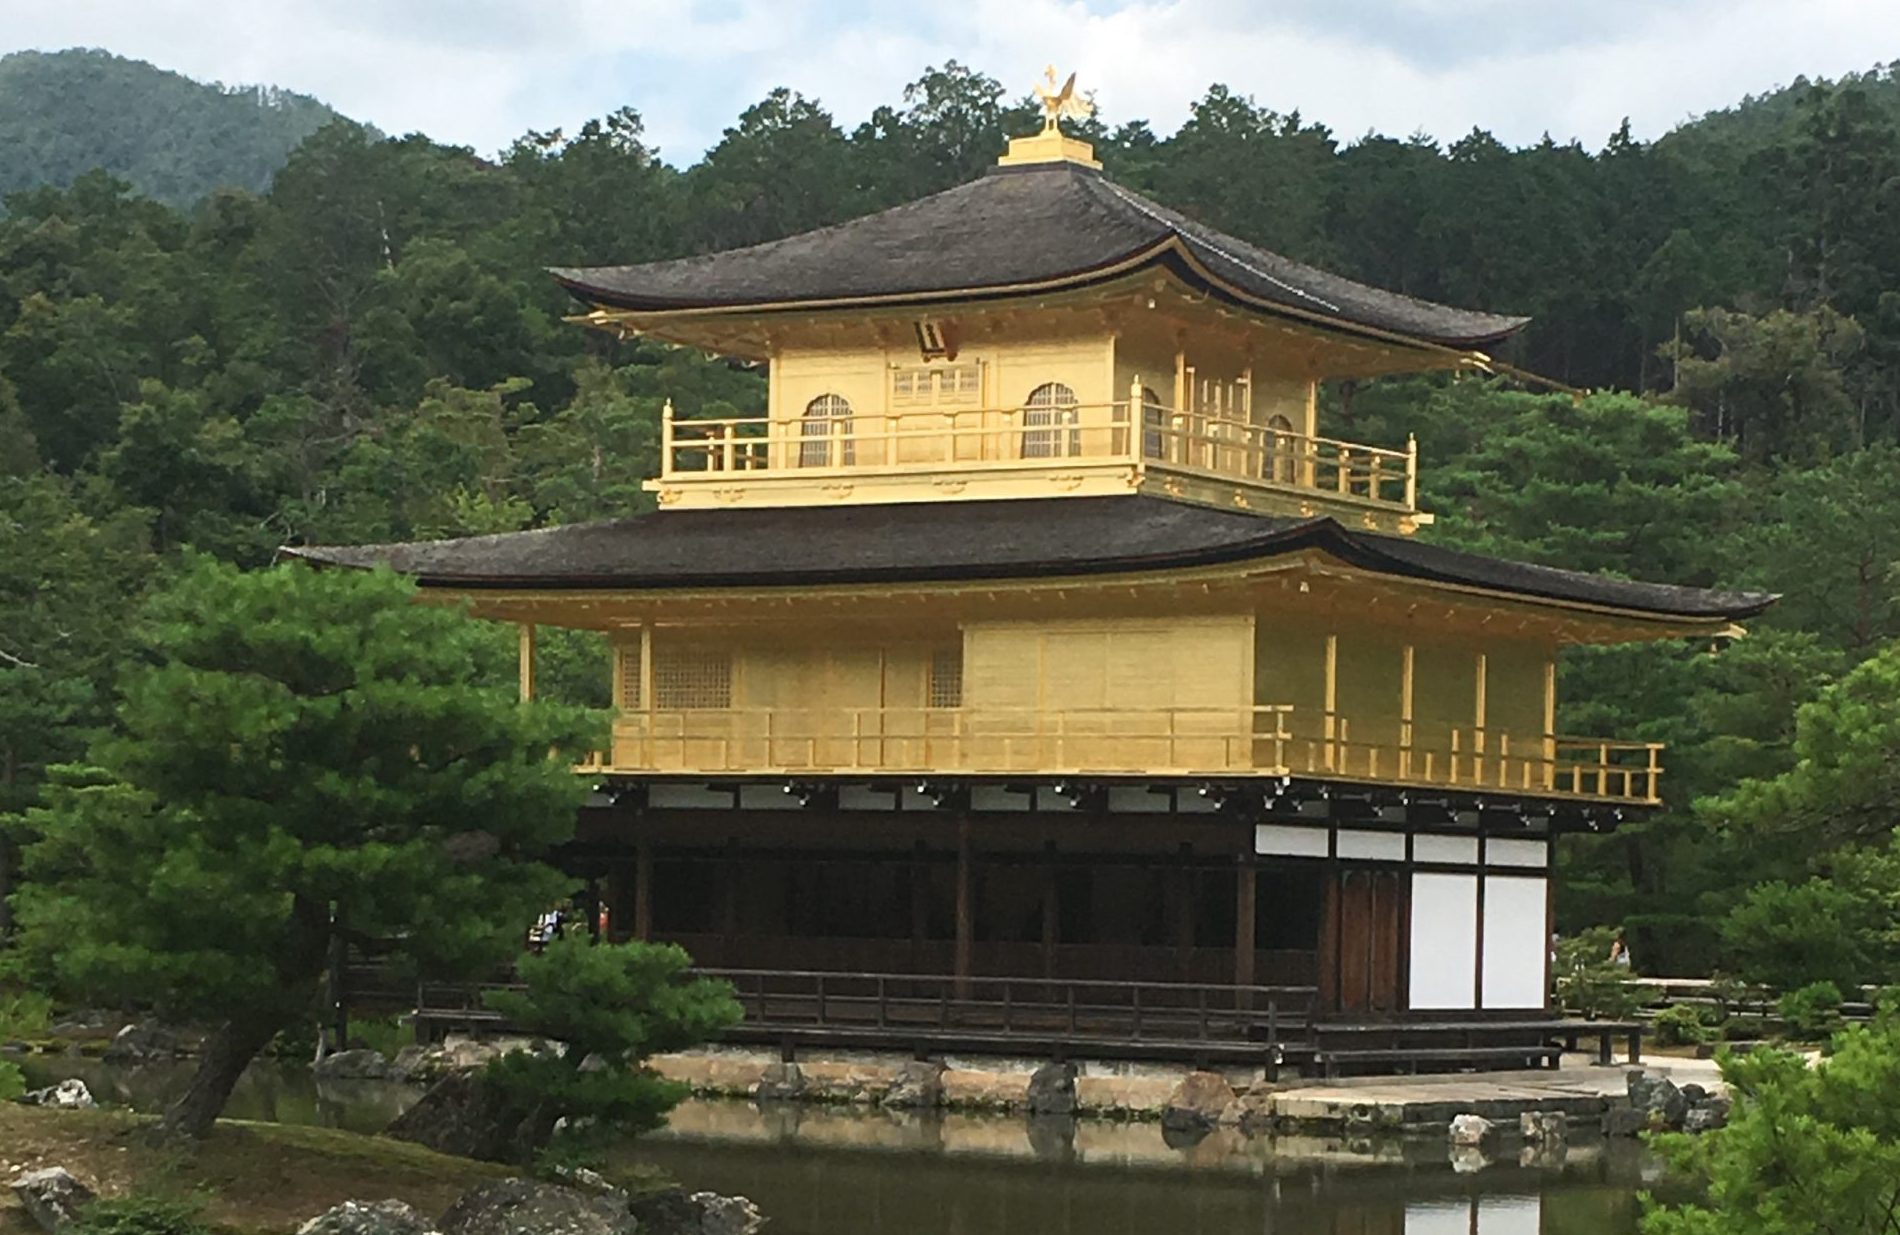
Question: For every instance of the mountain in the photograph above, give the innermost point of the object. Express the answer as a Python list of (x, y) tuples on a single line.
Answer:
[(65, 113)]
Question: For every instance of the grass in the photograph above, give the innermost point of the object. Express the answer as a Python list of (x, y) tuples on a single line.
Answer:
[(252, 1176)]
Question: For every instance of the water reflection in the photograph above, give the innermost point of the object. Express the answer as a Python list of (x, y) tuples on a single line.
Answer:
[(855, 1171)]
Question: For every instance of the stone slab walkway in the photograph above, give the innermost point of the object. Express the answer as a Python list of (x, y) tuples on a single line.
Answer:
[(1580, 1090)]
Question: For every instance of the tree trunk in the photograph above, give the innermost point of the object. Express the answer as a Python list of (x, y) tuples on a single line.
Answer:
[(225, 1056)]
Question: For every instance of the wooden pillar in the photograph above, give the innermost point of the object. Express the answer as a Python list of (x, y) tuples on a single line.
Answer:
[(619, 899), (1183, 881), (1332, 760), (525, 653), (728, 902), (1051, 910), (966, 910), (1405, 710), (1478, 709), (643, 889), (1246, 888), (919, 906)]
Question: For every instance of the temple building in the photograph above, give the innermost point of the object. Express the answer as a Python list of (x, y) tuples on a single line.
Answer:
[(1037, 660)]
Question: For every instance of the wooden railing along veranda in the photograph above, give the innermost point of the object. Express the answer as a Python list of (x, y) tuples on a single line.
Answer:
[(1141, 435), (1261, 740)]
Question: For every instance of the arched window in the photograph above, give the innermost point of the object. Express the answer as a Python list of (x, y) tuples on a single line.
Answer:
[(1154, 424), (1049, 411), (1278, 451), (826, 433)]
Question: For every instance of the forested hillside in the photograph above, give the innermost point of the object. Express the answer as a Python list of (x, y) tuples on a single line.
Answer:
[(369, 350), (63, 114)]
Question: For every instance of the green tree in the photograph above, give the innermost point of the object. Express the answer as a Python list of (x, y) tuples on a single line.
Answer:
[(1776, 386), (298, 758), (611, 1006), (1807, 1148), (1786, 936), (1844, 786)]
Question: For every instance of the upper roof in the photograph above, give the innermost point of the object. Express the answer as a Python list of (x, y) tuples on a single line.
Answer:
[(1037, 227), (794, 546)]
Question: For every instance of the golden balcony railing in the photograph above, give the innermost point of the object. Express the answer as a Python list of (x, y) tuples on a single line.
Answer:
[(1143, 436), (1260, 740)]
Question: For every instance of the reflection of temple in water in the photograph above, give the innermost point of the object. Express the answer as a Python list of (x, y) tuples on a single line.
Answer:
[(1475, 1215)]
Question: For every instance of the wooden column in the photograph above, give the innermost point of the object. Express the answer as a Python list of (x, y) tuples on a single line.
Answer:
[(919, 906), (526, 659), (620, 881), (643, 889), (966, 910), (1332, 760), (1246, 887), (1051, 910), (1183, 881), (728, 901)]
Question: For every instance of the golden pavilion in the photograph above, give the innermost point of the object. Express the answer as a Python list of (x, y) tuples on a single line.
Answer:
[(1036, 672)]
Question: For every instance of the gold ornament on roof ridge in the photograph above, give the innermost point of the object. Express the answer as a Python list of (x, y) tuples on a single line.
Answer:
[(1059, 103), (1052, 145)]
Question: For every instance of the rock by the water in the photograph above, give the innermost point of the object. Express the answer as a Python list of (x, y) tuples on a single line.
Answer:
[(69, 1095), (1544, 1127), (1694, 1094), (1707, 1116), (390, 1217), (917, 1086), (464, 1115), (139, 1042), (52, 1197), (678, 1212), (1052, 1089), (529, 1207), (455, 1053), (1659, 1096), (356, 1065), (1197, 1102), (780, 1082), (1472, 1131)]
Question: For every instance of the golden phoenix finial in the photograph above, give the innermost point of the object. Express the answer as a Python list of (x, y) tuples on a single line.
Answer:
[(1057, 103)]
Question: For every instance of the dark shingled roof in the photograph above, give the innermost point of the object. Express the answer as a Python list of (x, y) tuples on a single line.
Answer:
[(1041, 225), (756, 547)]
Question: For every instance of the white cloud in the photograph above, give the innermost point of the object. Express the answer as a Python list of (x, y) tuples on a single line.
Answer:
[(480, 72)]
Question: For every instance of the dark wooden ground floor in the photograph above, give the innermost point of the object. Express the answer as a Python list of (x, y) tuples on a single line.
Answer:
[(1145, 900)]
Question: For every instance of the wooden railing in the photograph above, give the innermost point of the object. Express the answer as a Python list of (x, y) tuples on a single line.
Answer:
[(1072, 1011), (1141, 435), (1261, 740), (969, 739)]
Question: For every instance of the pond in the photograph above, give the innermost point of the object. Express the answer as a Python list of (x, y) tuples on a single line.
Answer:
[(820, 1170)]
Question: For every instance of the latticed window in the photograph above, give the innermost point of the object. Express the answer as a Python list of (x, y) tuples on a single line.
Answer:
[(627, 678), (826, 433), (946, 679), (934, 385), (692, 677), (1049, 423)]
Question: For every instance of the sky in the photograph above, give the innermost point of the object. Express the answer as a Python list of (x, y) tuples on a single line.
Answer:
[(480, 73)]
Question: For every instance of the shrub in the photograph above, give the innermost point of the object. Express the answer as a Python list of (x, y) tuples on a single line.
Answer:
[(1807, 1148), (142, 1214), (610, 1006), (1812, 1013), (24, 1014), (1681, 1024), (12, 1081), (1586, 981)]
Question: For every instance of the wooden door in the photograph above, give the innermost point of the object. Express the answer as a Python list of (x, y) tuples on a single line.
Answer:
[(1363, 941)]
